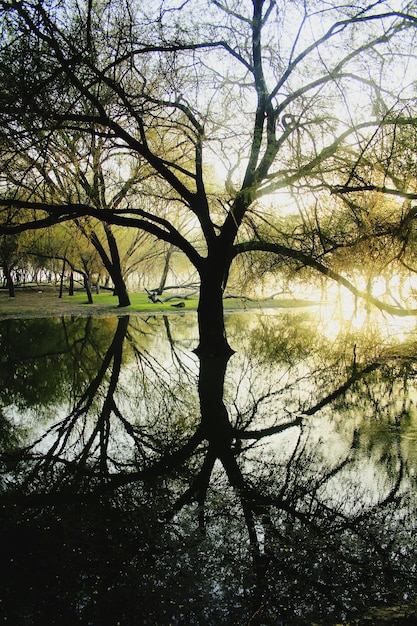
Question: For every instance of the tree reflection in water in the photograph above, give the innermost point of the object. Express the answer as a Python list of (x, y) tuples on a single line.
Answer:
[(142, 485)]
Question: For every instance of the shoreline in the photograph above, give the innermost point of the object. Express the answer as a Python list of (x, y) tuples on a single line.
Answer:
[(32, 303)]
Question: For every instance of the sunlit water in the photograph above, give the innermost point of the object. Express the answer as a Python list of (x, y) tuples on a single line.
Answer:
[(146, 487)]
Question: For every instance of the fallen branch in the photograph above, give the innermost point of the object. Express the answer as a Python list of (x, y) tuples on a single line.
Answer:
[(169, 287), (175, 296)]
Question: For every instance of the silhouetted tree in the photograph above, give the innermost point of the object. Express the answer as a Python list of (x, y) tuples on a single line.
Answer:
[(267, 92)]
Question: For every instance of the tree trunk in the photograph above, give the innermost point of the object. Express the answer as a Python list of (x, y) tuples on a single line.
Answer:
[(213, 340), (87, 285), (113, 264), (71, 284), (215, 423), (165, 271), (9, 280), (121, 291), (61, 283)]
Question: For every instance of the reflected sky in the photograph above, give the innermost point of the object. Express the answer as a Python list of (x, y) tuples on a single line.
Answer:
[(150, 486)]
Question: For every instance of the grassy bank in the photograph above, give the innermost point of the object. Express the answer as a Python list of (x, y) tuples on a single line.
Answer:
[(37, 302)]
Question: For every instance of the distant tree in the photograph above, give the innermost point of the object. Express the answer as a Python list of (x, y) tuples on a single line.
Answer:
[(379, 188), (84, 171), (8, 260)]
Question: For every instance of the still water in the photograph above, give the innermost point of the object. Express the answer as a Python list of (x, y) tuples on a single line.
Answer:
[(142, 485)]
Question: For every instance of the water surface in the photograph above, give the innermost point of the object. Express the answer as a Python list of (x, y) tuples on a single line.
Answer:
[(141, 485)]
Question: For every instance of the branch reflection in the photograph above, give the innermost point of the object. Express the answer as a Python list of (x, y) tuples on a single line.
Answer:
[(275, 486)]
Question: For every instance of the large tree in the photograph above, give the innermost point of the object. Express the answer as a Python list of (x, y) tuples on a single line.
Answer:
[(279, 97)]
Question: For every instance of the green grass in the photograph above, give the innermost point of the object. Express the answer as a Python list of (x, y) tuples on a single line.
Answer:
[(44, 300), (140, 302)]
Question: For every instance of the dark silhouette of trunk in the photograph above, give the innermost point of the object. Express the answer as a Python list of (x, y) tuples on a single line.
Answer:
[(217, 429), (121, 291), (71, 284), (8, 250), (87, 285), (165, 271), (216, 426), (112, 264), (213, 277), (9, 280), (61, 282)]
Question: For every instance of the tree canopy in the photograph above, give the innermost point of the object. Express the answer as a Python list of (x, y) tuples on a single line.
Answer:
[(231, 111)]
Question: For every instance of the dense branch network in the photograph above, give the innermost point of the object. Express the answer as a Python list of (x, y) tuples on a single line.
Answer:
[(223, 97)]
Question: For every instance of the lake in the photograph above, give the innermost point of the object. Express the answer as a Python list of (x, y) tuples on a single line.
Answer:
[(143, 485)]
